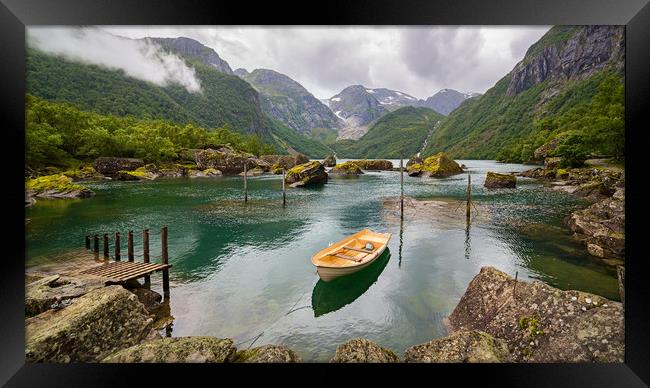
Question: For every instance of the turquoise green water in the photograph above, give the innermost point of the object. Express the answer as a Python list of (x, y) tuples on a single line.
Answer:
[(244, 270)]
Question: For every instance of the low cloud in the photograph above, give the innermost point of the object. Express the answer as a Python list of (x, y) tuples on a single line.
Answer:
[(141, 59)]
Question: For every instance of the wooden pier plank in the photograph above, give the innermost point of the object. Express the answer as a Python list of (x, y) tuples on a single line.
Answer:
[(125, 270)]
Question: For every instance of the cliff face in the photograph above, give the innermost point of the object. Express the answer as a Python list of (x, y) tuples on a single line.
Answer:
[(194, 49), (587, 51)]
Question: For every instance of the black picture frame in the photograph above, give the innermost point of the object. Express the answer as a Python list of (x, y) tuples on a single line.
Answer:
[(16, 14)]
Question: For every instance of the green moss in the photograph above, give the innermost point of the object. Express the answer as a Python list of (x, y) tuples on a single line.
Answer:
[(346, 168), (297, 170), (441, 165), (245, 355), (56, 182)]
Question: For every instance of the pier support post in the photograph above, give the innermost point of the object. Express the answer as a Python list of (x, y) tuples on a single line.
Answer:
[(284, 193), (105, 246), (401, 185), (145, 252), (88, 242), (468, 213), (246, 181), (96, 246), (117, 246), (129, 246), (165, 260)]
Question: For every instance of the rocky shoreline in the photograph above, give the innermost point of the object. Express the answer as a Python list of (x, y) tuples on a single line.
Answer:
[(81, 318)]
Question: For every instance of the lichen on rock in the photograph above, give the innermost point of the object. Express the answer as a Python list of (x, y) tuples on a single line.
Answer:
[(360, 350), (56, 186), (494, 180), (464, 346), (267, 354), (308, 174), (177, 350), (347, 168), (439, 166), (372, 165)]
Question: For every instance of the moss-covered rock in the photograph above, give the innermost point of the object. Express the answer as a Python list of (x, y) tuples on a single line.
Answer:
[(87, 173), (41, 294), (347, 168), (361, 350), (369, 165), (257, 171), (225, 159), (494, 180), (286, 161), (140, 173), (111, 166), (329, 161), (177, 350), (56, 186), (277, 169), (207, 173), (414, 169), (440, 165), (308, 174), (464, 346), (267, 354)]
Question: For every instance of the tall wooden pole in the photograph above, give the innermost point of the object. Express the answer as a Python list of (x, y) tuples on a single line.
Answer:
[(401, 183), (96, 246), (469, 197), (88, 242), (245, 181), (117, 246), (106, 246), (165, 260), (284, 192), (145, 252), (129, 246)]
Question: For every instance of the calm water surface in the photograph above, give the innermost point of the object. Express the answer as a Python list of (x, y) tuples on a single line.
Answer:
[(244, 271)]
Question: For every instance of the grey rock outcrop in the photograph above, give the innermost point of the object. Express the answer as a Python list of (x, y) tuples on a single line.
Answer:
[(464, 346), (360, 350), (177, 350)]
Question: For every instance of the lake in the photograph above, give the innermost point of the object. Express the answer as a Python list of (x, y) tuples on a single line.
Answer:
[(243, 271)]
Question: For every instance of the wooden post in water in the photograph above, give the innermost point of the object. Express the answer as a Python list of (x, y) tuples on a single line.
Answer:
[(401, 185), (469, 197), (165, 260), (88, 242), (96, 246), (117, 246), (284, 192), (106, 246), (246, 181), (129, 246), (145, 252)]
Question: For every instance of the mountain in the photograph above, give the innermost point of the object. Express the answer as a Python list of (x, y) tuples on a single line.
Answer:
[(398, 133), (568, 87), (225, 100), (289, 102), (446, 100), (392, 99), (194, 50), (357, 107)]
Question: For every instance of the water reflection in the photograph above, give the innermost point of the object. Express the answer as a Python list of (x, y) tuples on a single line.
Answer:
[(331, 296), (468, 239), (401, 239)]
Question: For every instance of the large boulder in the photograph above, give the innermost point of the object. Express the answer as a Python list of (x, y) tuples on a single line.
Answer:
[(361, 350), (177, 350), (41, 294), (541, 323), (308, 174), (147, 173), (439, 166), (91, 327), (464, 346), (601, 226), (110, 166), (330, 161), (347, 168), (207, 173), (494, 180), (55, 186), (87, 173), (414, 160), (268, 354), (225, 159), (285, 161), (369, 165)]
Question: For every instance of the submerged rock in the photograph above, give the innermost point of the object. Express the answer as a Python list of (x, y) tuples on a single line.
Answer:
[(55, 186), (347, 168), (93, 326), (360, 350), (439, 166), (463, 346), (110, 166), (370, 165), (330, 161), (177, 350), (541, 323), (268, 354), (308, 174), (494, 180)]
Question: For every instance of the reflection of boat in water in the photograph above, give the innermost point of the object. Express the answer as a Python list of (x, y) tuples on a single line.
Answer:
[(350, 255), (331, 296)]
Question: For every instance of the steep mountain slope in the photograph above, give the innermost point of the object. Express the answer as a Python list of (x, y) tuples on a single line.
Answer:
[(446, 100), (562, 71), (392, 99), (192, 49), (357, 108), (289, 102), (398, 133)]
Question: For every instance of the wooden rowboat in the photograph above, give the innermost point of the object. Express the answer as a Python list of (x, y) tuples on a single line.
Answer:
[(350, 255)]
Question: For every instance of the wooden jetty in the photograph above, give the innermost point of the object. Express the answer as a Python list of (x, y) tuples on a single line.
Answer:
[(123, 271)]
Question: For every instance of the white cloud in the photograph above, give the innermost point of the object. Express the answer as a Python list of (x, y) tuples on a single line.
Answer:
[(139, 59)]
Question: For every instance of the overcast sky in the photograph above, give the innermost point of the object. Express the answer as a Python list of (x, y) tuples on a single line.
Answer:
[(416, 60)]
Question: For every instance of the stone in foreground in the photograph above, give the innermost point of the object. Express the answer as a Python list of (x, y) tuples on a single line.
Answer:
[(494, 180), (268, 354), (360, 350), (347, 168), (438, 166), (93, 326), (307, 174), (177, 350), (42, 293), (541, 323), (464, 346)]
